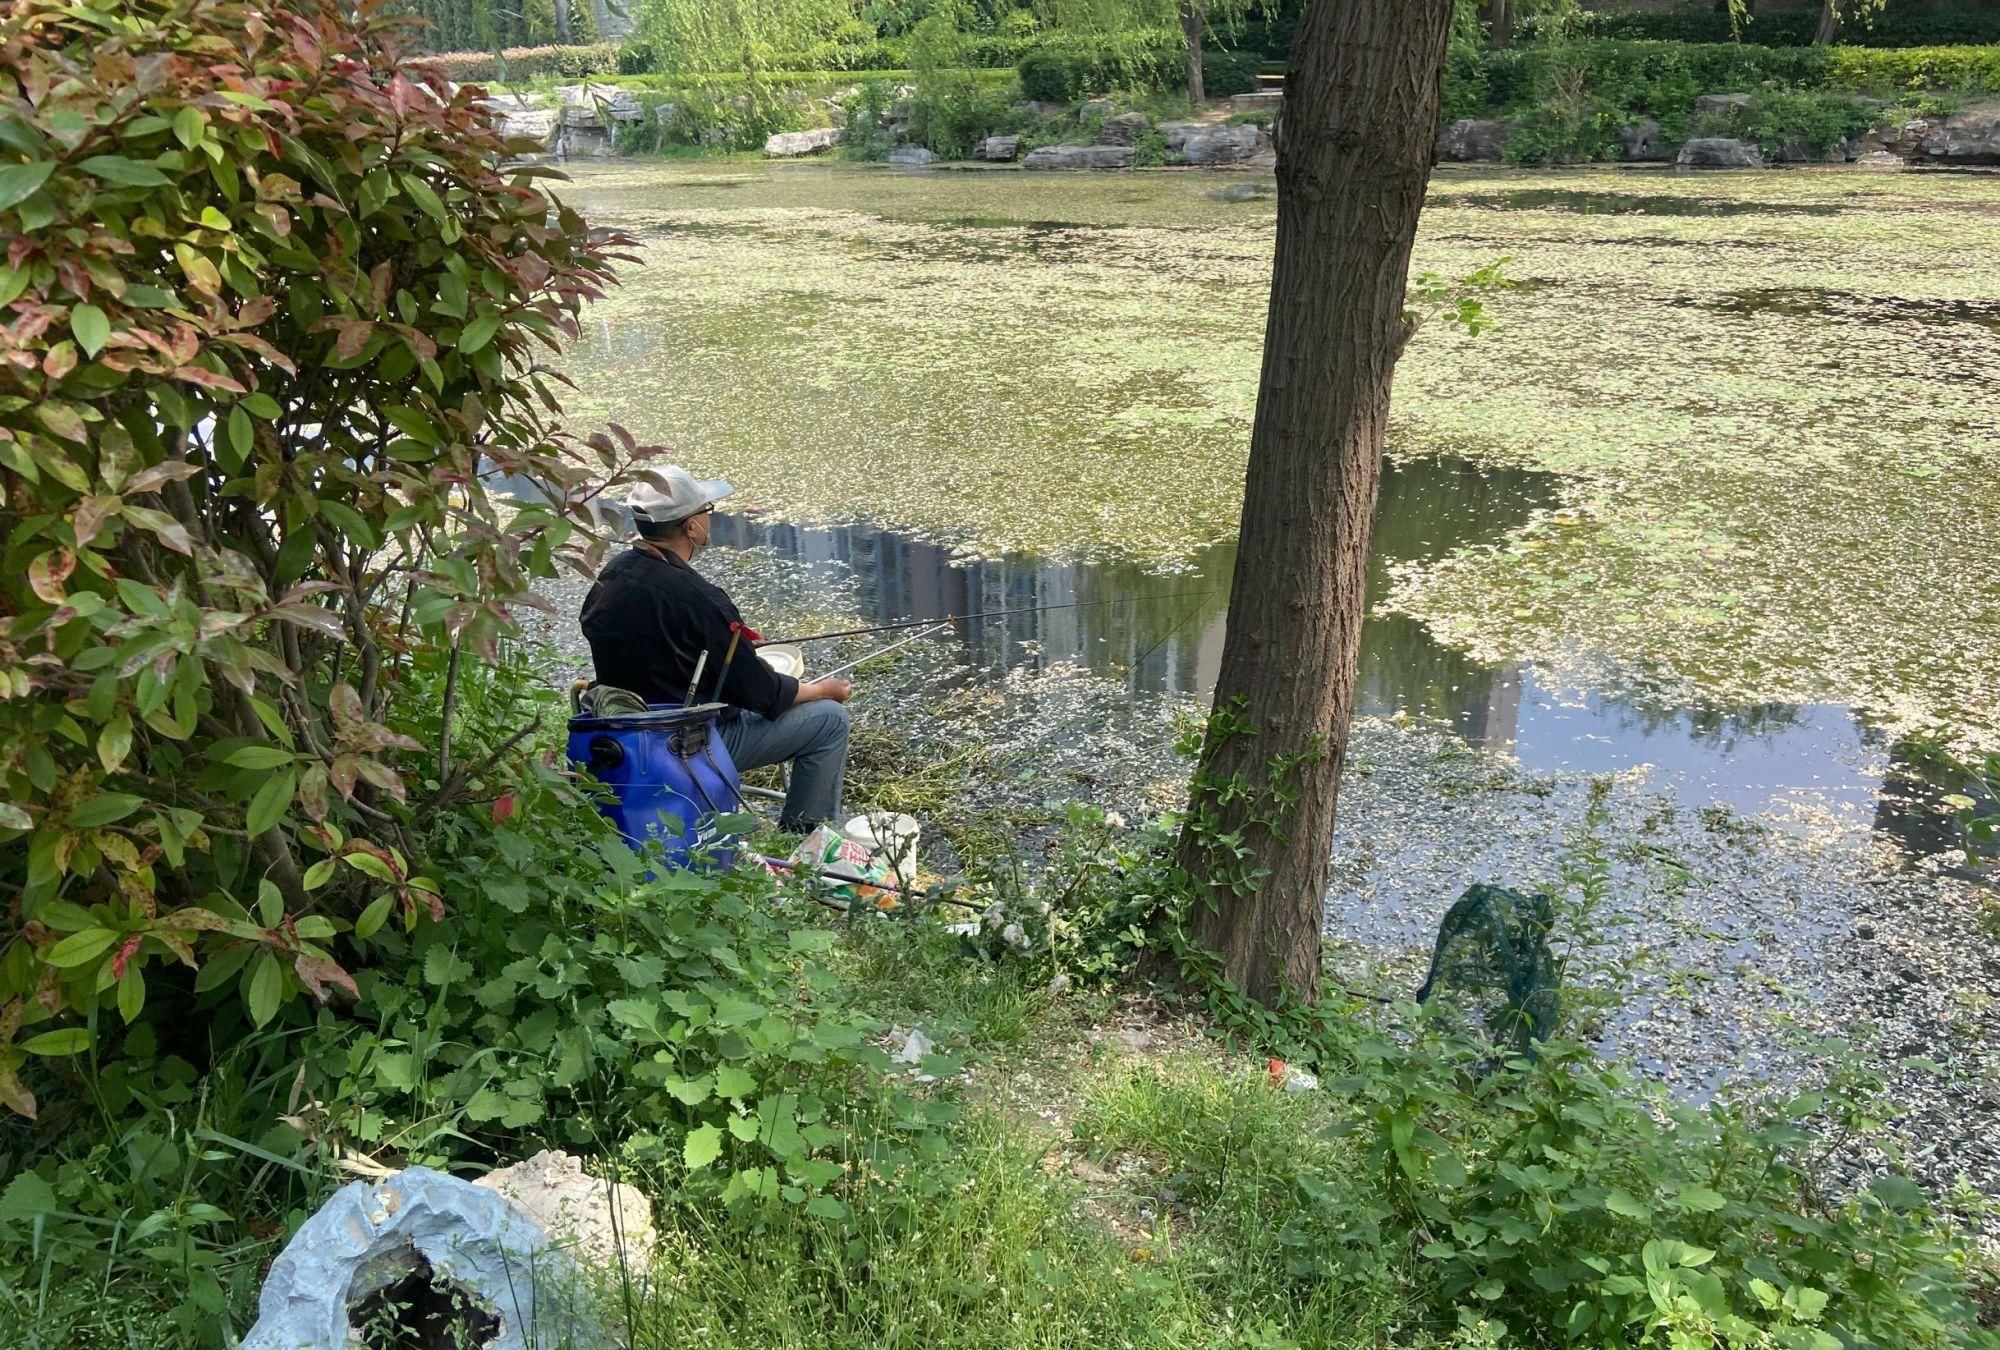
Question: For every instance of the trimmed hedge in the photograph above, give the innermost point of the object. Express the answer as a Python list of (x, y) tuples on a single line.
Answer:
[(1897, 27), (526, 63), (1658, 74)]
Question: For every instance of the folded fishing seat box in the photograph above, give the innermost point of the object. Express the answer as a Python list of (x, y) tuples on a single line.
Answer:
[(670, 777)]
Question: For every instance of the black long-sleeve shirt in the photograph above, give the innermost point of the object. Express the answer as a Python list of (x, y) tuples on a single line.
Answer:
[(651, 616)]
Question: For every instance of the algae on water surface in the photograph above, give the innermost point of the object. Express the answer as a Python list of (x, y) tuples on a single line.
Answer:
[(1777, 413)]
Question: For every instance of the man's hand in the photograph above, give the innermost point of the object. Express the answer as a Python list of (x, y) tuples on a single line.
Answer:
[(811, 691)]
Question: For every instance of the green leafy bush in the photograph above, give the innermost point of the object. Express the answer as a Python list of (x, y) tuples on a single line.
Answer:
[(682, 1032), (1049, 76), (1226, 73), (520, 64), (266, 347), (865, 120), (1663, 78), (1794, 125), (637, 57), (1552, 1204), (713, 115), (1064, 70)]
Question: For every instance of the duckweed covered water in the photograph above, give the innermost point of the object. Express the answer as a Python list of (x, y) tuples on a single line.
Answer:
[(1772, 400)]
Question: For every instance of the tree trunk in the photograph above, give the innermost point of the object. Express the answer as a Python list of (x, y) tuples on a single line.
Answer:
[(1501, 21), (563, 35), (1362, 98), (1829, 22), (1193, 24)]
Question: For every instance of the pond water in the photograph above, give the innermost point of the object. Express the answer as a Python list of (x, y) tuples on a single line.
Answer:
[(1765, 409), (1715, 511), (1155, 634)]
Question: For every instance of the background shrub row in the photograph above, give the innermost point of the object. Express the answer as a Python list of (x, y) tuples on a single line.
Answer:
[(1899, 26), (1641, 74)]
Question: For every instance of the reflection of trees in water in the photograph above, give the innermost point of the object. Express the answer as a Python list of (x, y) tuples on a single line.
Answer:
[(1912, 810), (1719, 729), (1166, 632)]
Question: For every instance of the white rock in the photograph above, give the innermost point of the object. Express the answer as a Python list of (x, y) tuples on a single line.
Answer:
[(789, 143), (597, 1222)]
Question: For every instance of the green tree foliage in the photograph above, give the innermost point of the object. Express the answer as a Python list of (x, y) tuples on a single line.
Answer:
[(719, 35), (1135, 21), (275, 308), (489, 25)]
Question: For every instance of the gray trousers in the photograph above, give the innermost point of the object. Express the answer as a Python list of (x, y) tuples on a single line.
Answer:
[(813, 737)]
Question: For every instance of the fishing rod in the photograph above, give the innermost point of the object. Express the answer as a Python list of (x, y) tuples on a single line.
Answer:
[(983, 614), (883, 651)]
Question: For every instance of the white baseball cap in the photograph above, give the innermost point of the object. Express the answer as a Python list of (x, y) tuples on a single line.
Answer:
[(672, 494)]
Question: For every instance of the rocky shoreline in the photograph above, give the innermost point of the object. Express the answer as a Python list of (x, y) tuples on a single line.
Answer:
[(581, 120)]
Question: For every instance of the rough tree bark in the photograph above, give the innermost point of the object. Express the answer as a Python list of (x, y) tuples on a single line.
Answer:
[(1500, 18), (1362, 98), (1194, 24)]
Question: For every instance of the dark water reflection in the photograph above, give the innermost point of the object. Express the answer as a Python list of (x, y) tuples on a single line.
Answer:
[(1159, 633)]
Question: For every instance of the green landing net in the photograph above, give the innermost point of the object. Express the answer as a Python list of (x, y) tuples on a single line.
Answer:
[(1492, 964)]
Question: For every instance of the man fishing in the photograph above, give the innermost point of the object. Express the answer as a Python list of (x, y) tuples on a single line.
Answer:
[(651, 617)]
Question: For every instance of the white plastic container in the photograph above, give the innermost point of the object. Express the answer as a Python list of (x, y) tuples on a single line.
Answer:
[(889, 837)]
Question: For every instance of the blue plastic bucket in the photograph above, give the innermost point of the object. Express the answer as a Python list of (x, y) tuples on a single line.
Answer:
[(670, 778)]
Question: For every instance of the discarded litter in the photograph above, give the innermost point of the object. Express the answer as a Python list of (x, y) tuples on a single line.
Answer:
[(1292, 1079), (463, 1252), (915, 1047)]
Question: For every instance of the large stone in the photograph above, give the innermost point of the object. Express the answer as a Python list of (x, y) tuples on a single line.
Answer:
[(1093, 107), (998, 149), (911, 157), (522, 123), (603, 1225), (1969, 136), (436, 1230), (1642, 143), (1473, 139), (1123, 129), (790, 144), (1720, 152), (1079, 157), (586, 105), (1732, 107), (1221, 145), (1902, 137), (1178, 134)]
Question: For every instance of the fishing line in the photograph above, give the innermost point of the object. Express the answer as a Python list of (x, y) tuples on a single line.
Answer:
[(986, 614)]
